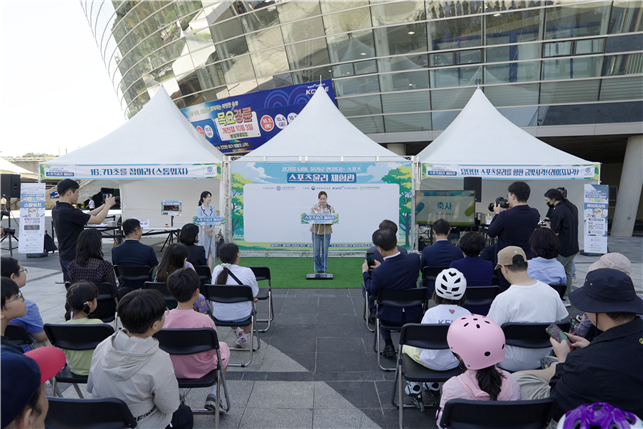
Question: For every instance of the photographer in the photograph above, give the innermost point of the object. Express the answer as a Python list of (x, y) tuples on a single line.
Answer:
[(514, 226)]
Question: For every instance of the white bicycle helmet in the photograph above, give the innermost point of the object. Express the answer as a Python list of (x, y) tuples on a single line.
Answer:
[(450, 284), (599, 415)]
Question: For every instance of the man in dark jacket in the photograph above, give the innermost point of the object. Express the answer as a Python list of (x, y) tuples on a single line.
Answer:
[(133, 253), (564, 222)]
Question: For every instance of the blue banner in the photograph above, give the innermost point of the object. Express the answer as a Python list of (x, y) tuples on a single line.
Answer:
[(245, 122)]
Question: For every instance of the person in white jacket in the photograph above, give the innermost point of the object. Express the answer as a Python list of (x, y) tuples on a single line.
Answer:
[(129, 365)]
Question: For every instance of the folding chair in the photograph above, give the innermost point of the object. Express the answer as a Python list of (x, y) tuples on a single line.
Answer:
[(468, 414), (262, 274), (181, 342), (134, 274), (106, 309), (205, 275), (428, 277), (432, 337), (162, 287), (530, 335), (75, 337), (480, 296), (18, 335), (561, 289), (366, 311), (398, 299), (230, 294), (105, 413)]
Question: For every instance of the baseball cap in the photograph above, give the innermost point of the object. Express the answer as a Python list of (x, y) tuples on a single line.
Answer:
[(616, 261), (607, 290), (506, 255), (22, 375)]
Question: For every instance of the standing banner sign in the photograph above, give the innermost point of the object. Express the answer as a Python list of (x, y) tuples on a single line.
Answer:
[(32, 218), (272, 203), (596, 198)]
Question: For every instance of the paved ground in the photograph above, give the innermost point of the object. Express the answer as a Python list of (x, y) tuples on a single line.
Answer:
[(316, 367)]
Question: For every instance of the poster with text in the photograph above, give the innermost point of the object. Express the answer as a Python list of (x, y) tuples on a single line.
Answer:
[(596, 203), (245, 122), (270, 199), (32, 218)]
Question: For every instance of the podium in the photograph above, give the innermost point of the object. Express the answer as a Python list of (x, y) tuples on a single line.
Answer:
[(320, 219)]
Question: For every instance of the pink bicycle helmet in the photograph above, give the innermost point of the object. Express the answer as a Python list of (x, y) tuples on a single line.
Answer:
[(600, 415), (478, 340)]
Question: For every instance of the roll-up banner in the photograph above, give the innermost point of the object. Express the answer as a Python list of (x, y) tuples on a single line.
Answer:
[(596, 203), (32, 218)]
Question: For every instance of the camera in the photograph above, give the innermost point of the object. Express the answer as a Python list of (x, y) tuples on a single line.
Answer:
[(501, 201)]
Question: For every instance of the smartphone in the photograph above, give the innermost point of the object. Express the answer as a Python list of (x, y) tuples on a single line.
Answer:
[(554, 331), (370, 259)]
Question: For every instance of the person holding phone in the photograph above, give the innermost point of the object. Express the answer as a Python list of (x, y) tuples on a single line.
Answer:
[(608, 369), (321, 234)]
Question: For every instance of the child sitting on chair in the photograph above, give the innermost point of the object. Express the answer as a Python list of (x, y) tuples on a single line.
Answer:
[(129, 365), (479, 344), (184, 285), (449, 295)]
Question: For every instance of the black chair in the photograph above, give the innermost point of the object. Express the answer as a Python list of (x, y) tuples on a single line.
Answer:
[(480, 296), (139, 274), (18, 335), (495, 280), (366, 311), (530, 335), (561, 289), (230, 294), (428, 336), (75, 337), (468, 414), (181, 342), (106, 309), (105, 413), (162, 287), (205, 275), (396, 298), (429, 275), (263, 274)]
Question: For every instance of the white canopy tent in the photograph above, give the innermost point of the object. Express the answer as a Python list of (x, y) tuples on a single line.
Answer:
[(147, 155), (481, 142), (7, 167)]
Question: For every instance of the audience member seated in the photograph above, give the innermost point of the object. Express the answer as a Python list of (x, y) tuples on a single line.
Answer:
[(478, 272), (189, 236), (129, 365), (396, 272), (133, 253), (544, 266), (81, 301), (449, 295), (32, 321), (229, 272), (385, 224), (479, 344), (23, 400), (184, 286), (174, 258), (89, 264), (607, 369), (13, 306), (526, 301), (442, 252)]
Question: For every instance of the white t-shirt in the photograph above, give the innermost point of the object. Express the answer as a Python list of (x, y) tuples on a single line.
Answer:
[(538, 303), (239, 310), (444, 314)]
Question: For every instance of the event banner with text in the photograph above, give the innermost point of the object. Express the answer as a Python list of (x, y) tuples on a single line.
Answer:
[(32, 218), (129, 172), (245, 122), (273, 202), (523, 172), (596, 203)]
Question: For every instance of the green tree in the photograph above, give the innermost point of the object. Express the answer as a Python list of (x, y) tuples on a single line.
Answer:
[(238, 181), (403, 177)]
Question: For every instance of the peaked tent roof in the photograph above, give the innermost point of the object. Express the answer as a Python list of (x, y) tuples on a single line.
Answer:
[(320, 130), (158, 134), (7, 167), (480, 135)]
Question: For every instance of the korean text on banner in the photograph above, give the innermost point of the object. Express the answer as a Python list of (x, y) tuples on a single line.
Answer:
[(596, 203), (524, 172), (32, 218)]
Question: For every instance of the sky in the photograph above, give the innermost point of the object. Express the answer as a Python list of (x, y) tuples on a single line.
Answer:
[(56, 93)]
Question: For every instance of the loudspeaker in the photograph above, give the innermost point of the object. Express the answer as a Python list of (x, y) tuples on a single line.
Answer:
[(10, 185), (474, 184)]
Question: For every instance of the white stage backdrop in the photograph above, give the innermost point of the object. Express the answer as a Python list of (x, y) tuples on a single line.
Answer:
[(272, 213)]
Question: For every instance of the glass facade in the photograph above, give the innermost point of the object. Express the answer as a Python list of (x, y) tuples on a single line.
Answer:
[(397, 66)]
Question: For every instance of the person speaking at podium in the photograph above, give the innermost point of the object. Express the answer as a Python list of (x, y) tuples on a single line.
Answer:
[(321, 234)]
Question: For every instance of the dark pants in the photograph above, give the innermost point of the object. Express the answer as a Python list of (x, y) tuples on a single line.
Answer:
[(63, 265), (182, 418), (386, 333)]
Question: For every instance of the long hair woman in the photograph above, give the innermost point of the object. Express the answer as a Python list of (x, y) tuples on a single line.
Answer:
[(89, 264), (206, 232)]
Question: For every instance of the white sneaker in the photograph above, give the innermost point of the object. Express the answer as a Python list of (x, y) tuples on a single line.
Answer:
[(241, 342), (567, 303)]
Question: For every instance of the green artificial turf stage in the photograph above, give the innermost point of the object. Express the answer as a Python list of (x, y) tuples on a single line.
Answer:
[(290, 273)]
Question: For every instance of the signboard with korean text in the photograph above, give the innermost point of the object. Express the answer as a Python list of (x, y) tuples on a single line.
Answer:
[(523, 172), (130, 172), (32, 218), (274, 203), (457, 207), (171, 207), (245, 122), (596, 203)]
